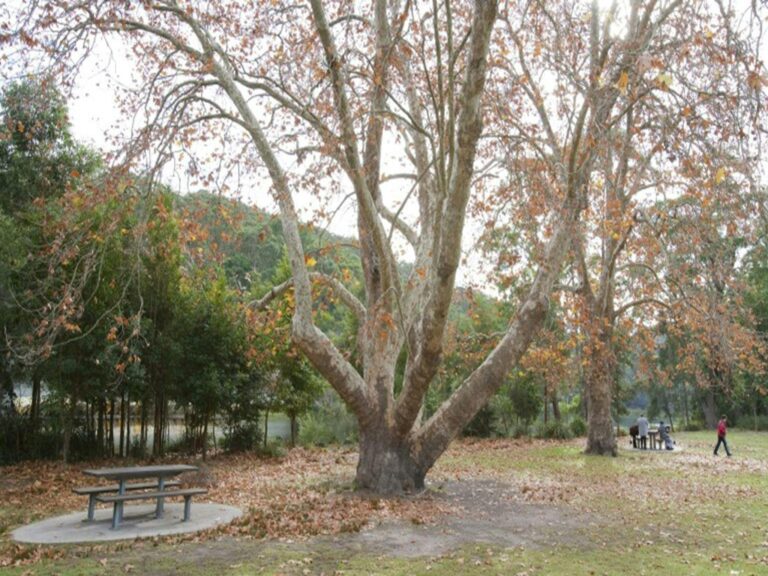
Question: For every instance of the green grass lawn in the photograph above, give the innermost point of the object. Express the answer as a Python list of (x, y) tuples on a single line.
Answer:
[(685, 512)]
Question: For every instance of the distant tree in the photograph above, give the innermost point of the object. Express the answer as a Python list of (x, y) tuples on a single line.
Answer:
[(210, 339), (39, 159)]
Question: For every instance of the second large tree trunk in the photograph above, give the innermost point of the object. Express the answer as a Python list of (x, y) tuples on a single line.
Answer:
[(599, 388)]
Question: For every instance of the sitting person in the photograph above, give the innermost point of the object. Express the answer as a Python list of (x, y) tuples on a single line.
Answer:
[(642, 431), (664, 436)]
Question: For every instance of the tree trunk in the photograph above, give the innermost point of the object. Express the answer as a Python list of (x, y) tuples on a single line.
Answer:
[(599, 386), (556, 406), (143, 429), (122, 425), (34, 411), (709, 407), (127, 424), (69, 420), (266, 427), (100, 427), (386, 464), (294, 429), (205, 438), (111, 434), (157, 437)]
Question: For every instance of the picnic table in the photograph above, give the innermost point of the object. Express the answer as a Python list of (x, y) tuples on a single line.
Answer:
[(159, 488), (654, 439)]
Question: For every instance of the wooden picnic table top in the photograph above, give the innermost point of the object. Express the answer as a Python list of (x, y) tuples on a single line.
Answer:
[(132, 472)]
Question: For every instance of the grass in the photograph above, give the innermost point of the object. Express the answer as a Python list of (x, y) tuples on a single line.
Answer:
[(648, 513)]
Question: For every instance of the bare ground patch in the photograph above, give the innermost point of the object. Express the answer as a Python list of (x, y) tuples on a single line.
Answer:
[(483, 512)]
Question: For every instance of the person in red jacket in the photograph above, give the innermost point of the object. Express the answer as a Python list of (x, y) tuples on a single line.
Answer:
[(722, 428)]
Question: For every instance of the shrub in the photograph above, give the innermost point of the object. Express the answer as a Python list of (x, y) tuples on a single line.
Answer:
[(553, 430), (692, 426), (243, 437), (329, 422), (481, 425), (520, 430), (273, 449), (578, 427)]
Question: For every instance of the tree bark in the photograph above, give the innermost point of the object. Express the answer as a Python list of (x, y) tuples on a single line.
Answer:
[(601, 439), (111, 434), (159, 424), (69, 421), (386, 464), (709, 407), (294, 429), (143, 429), (100, 427), (266, 427), (205, 438), (122, 425), (34, 411), (127, 424), (555, 406)]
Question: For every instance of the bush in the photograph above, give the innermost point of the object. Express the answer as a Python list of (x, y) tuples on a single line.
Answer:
[(329, 423), (243, 437), (578, 427), (481, 425), (553, 430), (760, 423), (520, 430), (273, 449), (692, 426)]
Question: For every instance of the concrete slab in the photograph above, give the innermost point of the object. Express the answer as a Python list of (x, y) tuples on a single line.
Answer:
[(138, 522)]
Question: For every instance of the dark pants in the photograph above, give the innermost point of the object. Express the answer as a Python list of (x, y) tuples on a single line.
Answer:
[(721, 440), (644, 442)]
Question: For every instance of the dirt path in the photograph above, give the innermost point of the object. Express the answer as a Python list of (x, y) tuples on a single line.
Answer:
[(487, 513)]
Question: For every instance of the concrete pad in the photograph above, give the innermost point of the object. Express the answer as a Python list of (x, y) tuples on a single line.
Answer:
[(138, 522)]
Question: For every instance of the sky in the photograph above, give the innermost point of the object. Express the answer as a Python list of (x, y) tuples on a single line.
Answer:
[(95, 117)]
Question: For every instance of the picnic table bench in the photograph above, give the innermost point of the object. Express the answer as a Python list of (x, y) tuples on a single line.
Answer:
[(106, 494)]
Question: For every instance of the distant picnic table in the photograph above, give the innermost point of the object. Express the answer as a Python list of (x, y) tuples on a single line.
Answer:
[(654, 440), (158, 489)]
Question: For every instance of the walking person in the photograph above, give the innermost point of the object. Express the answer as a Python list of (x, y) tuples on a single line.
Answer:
[(722, 429)]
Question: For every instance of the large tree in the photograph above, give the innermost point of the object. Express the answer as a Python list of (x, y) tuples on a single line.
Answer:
[(337, 98), (671, 113)]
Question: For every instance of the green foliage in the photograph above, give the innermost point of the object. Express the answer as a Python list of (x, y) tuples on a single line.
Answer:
[(578, 427), (520, 430), (273, 449), (694, 426), (553, 430), (482, 425), (328, 423), (242, 405), (242, 437), (526, 397), (38, 156)]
